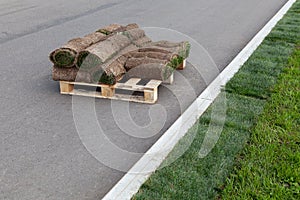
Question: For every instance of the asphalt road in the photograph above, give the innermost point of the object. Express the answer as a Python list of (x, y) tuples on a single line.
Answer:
[(43, 153)]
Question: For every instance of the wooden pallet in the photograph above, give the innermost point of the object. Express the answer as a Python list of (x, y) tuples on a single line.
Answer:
[(149, 92)]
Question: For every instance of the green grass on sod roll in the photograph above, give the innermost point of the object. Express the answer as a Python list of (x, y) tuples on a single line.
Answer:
[(101, 77), (106, 32), (64, 58), (176, 61), (87, 61), (259, 144)]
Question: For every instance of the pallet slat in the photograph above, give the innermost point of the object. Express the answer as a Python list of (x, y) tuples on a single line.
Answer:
[(132, 81), (153, 84)]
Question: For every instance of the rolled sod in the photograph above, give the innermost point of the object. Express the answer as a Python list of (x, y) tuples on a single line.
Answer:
[(101, 52), (63, 57), (142, 41), (66, 56), (113, 28), (103, 78), (110, 29), (113, 70), (64, 74), (113, 51), (156, 71), (181, 49), (151, 68), (134, 62), (70, 74), (157, 60)]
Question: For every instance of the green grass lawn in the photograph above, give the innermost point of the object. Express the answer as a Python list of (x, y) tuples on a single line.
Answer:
[(257, 155), (270, 167)]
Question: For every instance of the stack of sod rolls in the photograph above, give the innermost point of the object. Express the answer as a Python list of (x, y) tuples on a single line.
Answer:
[(106, 55), (156, 60)]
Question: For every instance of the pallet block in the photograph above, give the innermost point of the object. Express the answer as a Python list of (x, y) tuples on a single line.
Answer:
[(182, 66)]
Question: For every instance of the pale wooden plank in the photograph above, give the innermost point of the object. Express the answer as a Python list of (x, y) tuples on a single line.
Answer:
[(132, 81), (123, 97), (153, 84)]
